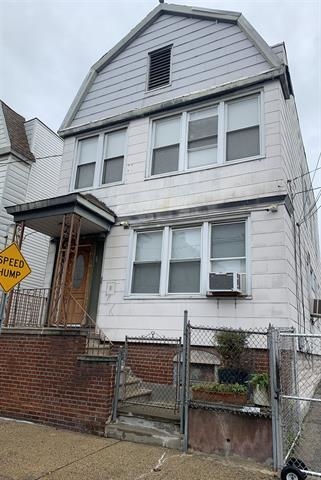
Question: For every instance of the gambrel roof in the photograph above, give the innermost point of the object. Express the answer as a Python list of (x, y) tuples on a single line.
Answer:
[(273, 66)]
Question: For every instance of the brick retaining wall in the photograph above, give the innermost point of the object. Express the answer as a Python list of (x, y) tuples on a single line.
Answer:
[(45, 377)]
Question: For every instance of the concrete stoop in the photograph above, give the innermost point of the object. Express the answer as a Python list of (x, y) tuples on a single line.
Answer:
[(141, 430)]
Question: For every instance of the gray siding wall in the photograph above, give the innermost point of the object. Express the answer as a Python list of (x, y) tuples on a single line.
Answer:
[(43, 183), (4, 138), (205, 54)]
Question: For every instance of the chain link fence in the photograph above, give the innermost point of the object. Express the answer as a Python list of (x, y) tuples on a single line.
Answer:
[(229, 369), (300, 397)]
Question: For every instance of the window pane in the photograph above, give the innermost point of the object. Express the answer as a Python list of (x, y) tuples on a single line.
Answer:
[(202, 128), (243, 113), (243, 143), (165, 160), (186, 243), (167, 132), (228, 240), (113, 170), (184, 277), (149, 246), (146, 278), (224, 266), (87, 150), (85, 175), (115, 144), (199, 158)]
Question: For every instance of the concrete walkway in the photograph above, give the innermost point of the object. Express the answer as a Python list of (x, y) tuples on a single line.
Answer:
[(36, 452)]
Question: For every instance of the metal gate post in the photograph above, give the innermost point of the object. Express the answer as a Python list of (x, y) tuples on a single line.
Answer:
[(117, 384), (274, 357), (183, 393), (187, 382)]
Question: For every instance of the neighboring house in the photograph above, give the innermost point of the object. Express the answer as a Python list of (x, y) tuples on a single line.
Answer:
[(187, 131), (30, 159)]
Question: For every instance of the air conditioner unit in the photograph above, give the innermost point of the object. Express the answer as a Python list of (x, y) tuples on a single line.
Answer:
[(226, 283), (316, 307)]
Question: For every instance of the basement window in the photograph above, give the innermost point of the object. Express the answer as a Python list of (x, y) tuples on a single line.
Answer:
[(159, 67)]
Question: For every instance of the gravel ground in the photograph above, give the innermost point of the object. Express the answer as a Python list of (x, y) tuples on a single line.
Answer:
[(36, 452)]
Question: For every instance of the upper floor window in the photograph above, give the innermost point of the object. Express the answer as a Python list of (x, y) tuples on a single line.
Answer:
[(100, 159), (159, 67), (208, 136), (178, 260)]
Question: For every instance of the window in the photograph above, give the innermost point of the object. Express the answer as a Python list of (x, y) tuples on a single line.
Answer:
[(147, 264), (243, 131), (195, 139), (87, 153), (184, 269), (114, 157), (228, 248), (178, 260), (159, 67), (100, 159), (202, 138), (166, 136)]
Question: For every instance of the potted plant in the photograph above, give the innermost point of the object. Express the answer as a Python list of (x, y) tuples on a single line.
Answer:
[(260, 383), (234, 394), (230, 344)]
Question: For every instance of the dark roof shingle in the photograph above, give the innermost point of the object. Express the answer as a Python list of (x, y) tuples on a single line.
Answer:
[(16, 131)]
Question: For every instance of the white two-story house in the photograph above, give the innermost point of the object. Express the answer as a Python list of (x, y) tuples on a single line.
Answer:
[(30, 159), (184, 185)]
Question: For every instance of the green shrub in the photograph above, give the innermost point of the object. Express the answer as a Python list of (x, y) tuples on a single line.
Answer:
[(260, 380), (230, 345), (220, 387)]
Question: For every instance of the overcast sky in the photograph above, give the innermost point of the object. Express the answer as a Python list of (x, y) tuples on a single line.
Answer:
[(48, 46)]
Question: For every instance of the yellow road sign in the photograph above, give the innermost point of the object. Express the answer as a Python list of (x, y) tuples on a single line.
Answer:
[(13, 267)]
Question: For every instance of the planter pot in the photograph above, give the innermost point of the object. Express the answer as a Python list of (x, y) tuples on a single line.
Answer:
[(261, 397), (220, 397)]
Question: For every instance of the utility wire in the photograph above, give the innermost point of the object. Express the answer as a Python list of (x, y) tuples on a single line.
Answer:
[(48, 156), (307, 173)]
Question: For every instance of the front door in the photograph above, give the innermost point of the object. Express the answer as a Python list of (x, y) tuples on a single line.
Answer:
[(79, 295)]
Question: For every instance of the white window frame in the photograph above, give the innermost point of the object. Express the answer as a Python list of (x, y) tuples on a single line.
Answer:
[(221, 136), (99, 161), (205, 258)]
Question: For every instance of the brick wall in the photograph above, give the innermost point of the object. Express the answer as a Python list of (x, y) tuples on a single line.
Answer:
[(47, 378), (152, 362)]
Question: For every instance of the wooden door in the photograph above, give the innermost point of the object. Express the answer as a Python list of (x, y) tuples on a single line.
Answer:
[(78, 302)]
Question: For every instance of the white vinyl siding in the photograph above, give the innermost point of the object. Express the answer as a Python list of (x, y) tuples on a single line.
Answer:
[(205, 54), (195, 139)]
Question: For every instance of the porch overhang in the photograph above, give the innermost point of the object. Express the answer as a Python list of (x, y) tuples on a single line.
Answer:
[(46, 216)]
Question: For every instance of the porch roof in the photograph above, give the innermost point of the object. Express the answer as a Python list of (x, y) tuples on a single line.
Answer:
[(46, 216)]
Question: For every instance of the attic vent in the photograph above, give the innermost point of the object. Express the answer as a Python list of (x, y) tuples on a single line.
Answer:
[(159, 67)]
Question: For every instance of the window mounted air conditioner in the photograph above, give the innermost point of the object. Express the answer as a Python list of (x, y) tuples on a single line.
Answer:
[(315, 307), (229, 283)]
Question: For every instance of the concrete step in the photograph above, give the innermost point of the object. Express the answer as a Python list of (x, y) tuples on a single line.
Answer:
[(133, 391), (139, 430)]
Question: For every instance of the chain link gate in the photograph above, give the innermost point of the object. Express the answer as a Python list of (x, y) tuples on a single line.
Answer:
[(297, 425), (149, 375)]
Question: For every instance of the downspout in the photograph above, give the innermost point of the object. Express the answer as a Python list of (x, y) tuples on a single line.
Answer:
[(301, 282)]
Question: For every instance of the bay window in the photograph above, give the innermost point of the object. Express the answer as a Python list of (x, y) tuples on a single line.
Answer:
[(178, 260), (205, 137)]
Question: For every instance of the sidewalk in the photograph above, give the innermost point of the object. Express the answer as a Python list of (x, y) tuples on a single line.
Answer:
[(36, 452)]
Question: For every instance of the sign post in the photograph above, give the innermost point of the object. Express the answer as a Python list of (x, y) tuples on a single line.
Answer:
[(13, 269)]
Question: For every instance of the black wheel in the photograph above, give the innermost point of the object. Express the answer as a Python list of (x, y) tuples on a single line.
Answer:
[(290, 472)]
